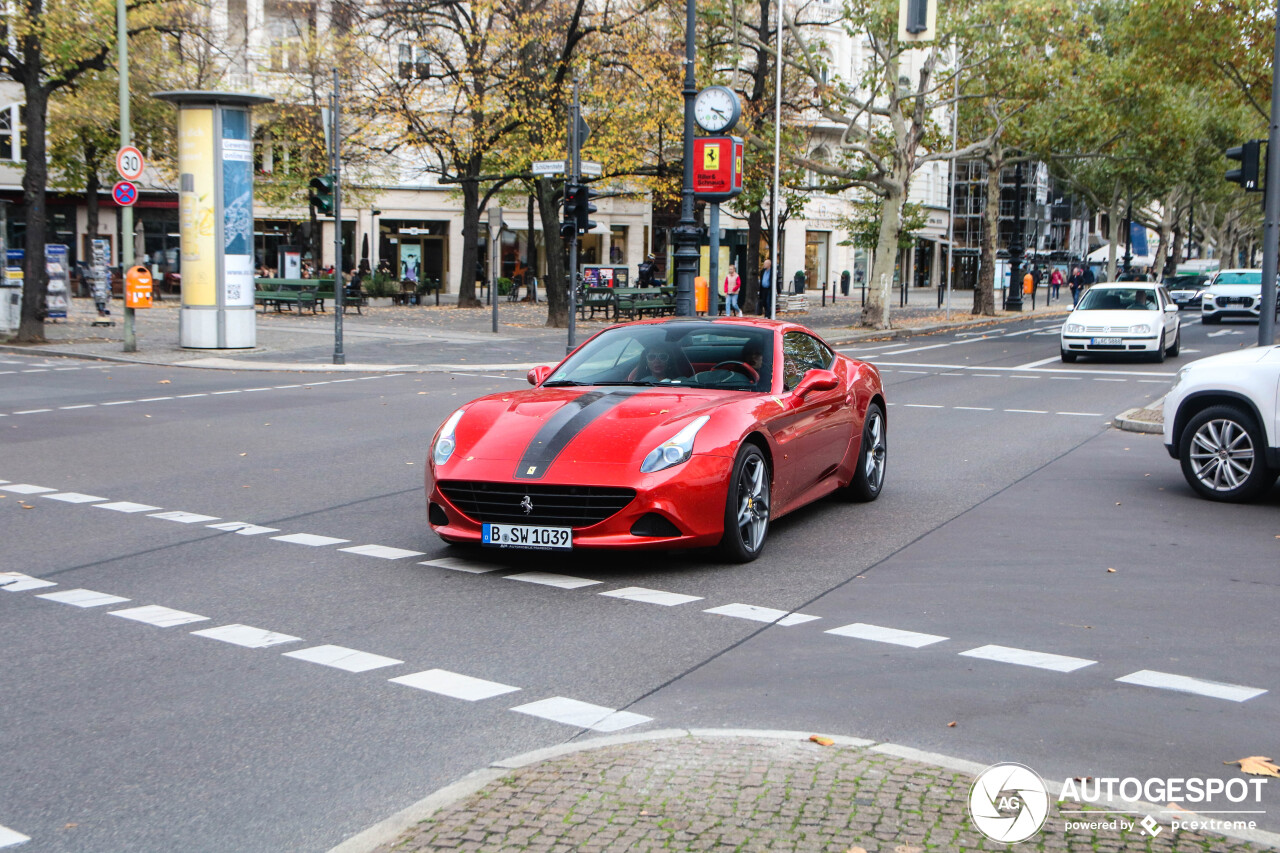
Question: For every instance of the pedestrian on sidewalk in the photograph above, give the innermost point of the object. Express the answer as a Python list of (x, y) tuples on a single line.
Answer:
[(1076, 283), (1055, 283), (766, 284), (729, 288)]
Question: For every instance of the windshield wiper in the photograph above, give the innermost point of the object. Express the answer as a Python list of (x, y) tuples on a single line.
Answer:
[(554, 383)]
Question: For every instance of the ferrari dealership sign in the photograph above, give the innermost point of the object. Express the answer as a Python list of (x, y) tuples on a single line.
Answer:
[(717, 167)]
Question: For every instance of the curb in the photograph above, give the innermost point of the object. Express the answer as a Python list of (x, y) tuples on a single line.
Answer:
[(397, 824), (1140, 419)]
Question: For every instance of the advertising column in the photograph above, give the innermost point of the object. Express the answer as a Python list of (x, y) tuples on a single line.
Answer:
[(215, 186)]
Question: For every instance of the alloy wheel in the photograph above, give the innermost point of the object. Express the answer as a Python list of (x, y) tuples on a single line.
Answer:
[(753, 503), (1222, 455)]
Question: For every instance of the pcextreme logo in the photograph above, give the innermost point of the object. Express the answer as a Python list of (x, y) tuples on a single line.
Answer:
[(1008, 803)]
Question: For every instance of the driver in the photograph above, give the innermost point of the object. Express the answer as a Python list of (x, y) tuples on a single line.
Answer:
[(753, 354), (660, 364), (1140, 301)]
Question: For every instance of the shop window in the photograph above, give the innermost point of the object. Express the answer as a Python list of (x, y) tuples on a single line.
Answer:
[(11, 132)]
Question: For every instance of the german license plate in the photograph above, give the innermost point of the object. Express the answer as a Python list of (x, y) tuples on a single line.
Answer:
[(527, 536), (1106, 342)]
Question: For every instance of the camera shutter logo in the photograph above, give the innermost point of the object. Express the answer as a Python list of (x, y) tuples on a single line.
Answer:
[(1008, 803)]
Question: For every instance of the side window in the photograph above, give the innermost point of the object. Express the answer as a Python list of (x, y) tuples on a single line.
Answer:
[(802, 353)]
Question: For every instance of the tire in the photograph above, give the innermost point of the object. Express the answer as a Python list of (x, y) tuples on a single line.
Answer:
[(1223, 455), (1158, 355), (873, 456), (1069, 357), (1177, 343), (1208, 320), (746, 510)]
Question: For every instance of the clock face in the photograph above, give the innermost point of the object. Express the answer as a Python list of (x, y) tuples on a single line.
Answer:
[(716, 109)]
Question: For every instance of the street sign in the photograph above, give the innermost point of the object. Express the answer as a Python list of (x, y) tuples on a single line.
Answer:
[(129, 163), (548, 167), (592, 169), (124, 193)]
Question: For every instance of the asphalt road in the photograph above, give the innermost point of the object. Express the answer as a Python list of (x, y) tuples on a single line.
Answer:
[(1007, 501)]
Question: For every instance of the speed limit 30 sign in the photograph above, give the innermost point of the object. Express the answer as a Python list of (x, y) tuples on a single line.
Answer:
[(129, 163)]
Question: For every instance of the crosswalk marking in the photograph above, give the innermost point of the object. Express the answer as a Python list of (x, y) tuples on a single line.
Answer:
[(651, 596), (161, 617), (12, 838), (83, 598), (1186, 684), (454, 685), (880, 634), (73, 498), (26, 489), (552, 579), (455, 564), (1023, 657), (382, 551), (247, 636), (18, 582), (582, 715), (127, 506), (244, 528), (309, 539), (339, 657), (762, 614), (183, 517)]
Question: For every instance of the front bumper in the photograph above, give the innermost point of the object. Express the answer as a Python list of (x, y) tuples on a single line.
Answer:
[(691, 496), (1127, 343)]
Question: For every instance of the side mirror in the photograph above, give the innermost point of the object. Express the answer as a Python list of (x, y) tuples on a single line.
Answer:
[(538, 374), (816, 380), (1171, 308)]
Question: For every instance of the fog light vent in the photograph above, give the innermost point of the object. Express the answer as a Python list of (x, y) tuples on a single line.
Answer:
[(652, 524), (436, 515)]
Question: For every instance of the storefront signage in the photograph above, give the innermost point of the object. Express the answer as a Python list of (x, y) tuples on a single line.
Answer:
[(717, 167)]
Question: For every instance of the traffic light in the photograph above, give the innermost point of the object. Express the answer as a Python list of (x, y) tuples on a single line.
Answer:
[(1248, 156), (586, 208), (573, 194), (321, 197)]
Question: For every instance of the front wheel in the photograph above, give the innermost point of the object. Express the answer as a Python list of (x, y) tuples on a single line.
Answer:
[(746, 510), (1158, 355), (1177, 343), (1223, 455), (873, 456), (1068, 357)]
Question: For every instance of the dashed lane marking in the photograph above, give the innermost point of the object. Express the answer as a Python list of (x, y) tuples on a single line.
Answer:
[(1023, 657), (26, 489), (454, 685), (244, 528), (1185, 684), (183, 517), (552, 579), (383, 552), (247, 636), (651, 596), (12, 838), (880, 634), (161, 617), (126, 506), (73, 498), (1027, 411), (455, 564), (762, 614), (340, 657), (582, 715), (309, 539), (18, 582), (83, 598)]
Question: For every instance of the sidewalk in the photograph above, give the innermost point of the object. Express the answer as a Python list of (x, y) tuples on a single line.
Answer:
[(422, 338), (713, 790)]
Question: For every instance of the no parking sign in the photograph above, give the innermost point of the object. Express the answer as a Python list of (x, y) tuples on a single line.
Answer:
[(124, 193)]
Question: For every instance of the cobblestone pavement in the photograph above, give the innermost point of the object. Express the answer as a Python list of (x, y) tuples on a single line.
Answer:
[(701, 793)]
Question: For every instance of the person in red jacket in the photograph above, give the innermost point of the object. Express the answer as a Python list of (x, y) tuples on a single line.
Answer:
[(730, 287)]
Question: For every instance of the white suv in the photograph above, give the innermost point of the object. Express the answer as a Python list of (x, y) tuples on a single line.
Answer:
[(1220, 422), (1232, 293)]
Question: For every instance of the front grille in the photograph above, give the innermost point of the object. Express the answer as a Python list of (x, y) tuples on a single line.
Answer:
[(1242, 301), (1106, 330), (560, 506)]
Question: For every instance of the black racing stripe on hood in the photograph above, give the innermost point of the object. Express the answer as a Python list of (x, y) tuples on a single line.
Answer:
[(562, 427)]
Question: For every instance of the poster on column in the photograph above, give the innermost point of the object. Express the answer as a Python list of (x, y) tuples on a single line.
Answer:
[(196, 204), (237, 209)]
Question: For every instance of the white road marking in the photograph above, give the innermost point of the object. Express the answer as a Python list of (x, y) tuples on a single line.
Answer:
[(219, 393), (988, 376), (1023, 657), (161, 617), (1186, 684), (1037, 363), (454, 685), (1020, 376), (1081, 414), (762, 614), (1103, 379), (81, 406), (581, 715), (651, 596), (189, 396), (920, 372), (1047, 371), (26, 489), (920, 406), (183, 517), (126, 506), (32, 411), (244, 635), (153, 399), (73, 498), (1154, 381), (878, 634), (118, 403), (552, 579), (382, 551), (343, 658), (83, 597), (18, 582), (454, 564), (244, 528), (12, 838), (309, 539), (1028, 411), (974, 409)]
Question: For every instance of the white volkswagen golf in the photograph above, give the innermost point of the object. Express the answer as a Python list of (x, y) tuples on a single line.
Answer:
[(1123, 318)]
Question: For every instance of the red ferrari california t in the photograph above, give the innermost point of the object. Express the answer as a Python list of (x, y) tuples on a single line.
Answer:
[(678, 433)]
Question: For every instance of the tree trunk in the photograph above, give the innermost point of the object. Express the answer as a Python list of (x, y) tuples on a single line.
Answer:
[(531, 252), (984, 293), (470, 249), (875, 314), (92, 185), (553, 246), (1113, 235), (35, 273), (751, 265), (1172, 259)]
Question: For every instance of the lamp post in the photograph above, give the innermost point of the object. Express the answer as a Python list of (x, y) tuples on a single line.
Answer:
[(1013, 294), (1128, 236), (686, 232)]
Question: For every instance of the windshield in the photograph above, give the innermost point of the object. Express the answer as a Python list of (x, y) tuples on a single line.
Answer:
[(1119, 299), (697, 354), (1246, 277)]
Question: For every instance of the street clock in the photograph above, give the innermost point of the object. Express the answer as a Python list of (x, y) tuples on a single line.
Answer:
[(717, 109)]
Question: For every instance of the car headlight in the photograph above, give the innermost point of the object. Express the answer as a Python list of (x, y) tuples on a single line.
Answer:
[(1182, 374), (675, 450), (1140, 329), (445, 442), (1073, 328)]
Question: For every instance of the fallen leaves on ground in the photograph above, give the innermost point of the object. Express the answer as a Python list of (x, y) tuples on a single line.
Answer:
[(1257, 765), (820, 740)]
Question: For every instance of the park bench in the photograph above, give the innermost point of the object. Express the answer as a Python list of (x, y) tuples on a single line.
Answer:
[(639, 302), (282, 292), (593, 299)]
